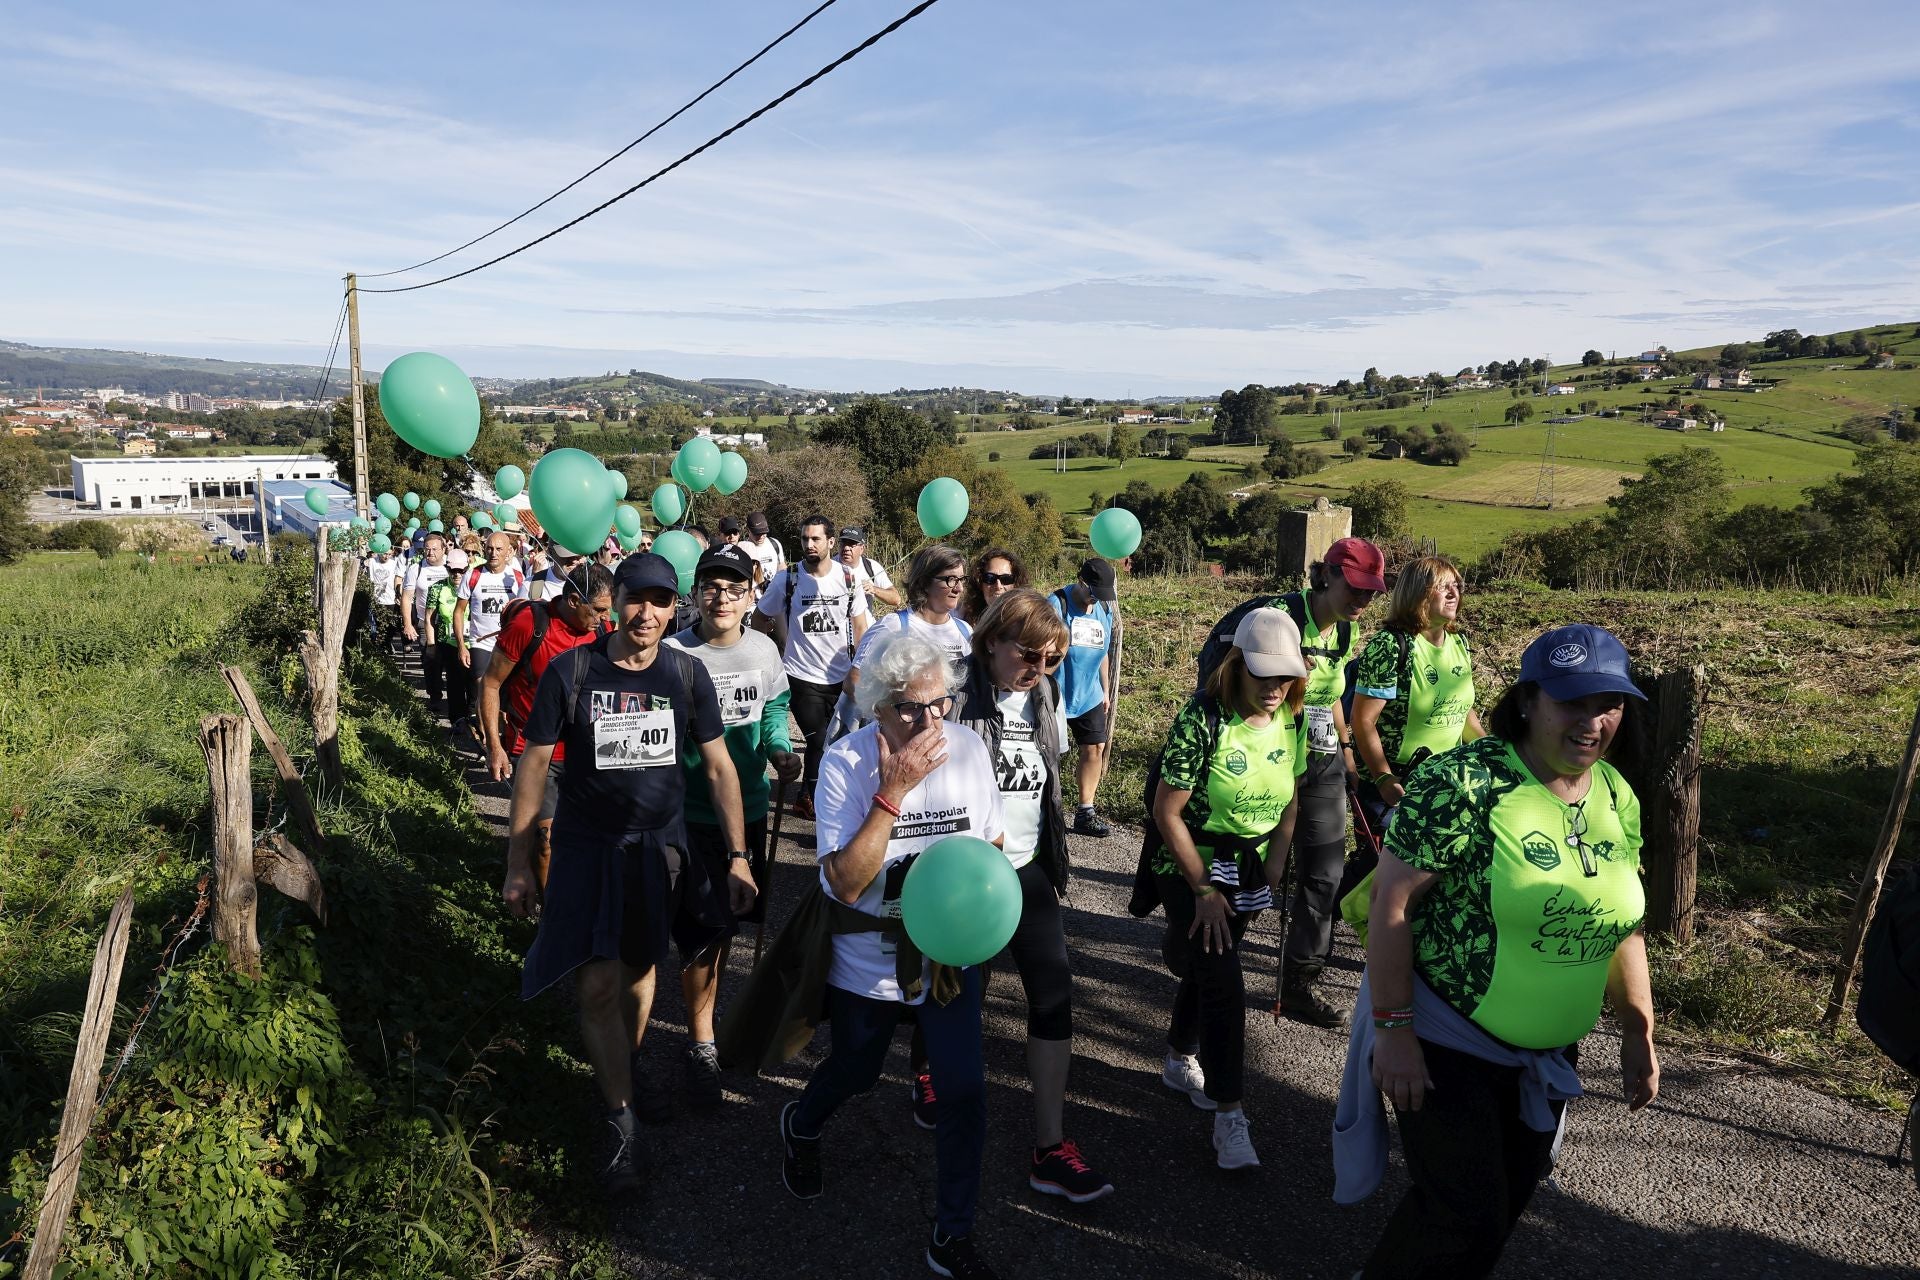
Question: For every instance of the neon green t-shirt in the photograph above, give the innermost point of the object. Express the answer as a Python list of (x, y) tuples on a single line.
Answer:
[(1520, 928), (1249, 783), (1432, 710)]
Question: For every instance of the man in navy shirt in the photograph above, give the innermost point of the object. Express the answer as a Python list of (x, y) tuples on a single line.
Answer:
[(620, 886)]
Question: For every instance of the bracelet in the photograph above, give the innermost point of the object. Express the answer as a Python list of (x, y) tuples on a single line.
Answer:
[(1393, 1013), (1204, 890), (1391, 1024), (886, 804)]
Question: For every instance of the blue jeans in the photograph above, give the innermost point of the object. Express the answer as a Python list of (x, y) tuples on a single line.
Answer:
[(862, 1030)]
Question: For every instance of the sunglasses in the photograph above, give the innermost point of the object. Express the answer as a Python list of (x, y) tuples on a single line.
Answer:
[(996, 579), (913, 711), (1576, 828), (1038, 657)]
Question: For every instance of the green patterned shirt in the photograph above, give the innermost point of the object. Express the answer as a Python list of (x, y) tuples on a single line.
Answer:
[(1432, 710)]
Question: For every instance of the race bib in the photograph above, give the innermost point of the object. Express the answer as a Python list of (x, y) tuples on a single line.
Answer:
[(1088, 633), (1320, 732), (739, 694), (634, 740)]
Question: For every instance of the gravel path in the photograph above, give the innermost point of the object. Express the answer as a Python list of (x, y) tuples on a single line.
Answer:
[(1733, 1172)]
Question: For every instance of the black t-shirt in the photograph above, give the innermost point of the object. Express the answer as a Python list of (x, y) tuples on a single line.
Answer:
[(623, 773)]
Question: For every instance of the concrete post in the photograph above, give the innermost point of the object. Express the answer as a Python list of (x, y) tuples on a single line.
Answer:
[(1303, 538)]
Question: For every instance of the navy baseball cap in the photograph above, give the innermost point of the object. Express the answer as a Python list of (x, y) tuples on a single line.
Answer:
[(651, 569), (1576, 661), (727, 560)]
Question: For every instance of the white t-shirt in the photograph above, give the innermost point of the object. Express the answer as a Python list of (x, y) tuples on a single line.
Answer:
[(953, 635), (487, 595), (385, 577), (419, 578), (1022, 768), (819, 632), (958, 798), (870, 573), (767, 553)]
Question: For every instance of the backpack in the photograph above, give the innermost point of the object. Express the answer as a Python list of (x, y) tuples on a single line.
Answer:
[(1146, 887), (1889, 1006), (1295, 603)]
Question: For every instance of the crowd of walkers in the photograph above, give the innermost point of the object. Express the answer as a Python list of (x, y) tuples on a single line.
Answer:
[(1491, 870)]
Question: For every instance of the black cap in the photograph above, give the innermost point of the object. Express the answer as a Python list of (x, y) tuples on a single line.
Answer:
[(756, 522), (1097, 576), (729, 525), (728, 560), (650, 569), (854, 535)]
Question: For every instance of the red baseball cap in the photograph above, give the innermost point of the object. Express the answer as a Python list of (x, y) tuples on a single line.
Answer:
[(1359, 562)]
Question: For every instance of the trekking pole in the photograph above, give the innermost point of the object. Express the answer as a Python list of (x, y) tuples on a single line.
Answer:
[(1286, 910), (773, 856)]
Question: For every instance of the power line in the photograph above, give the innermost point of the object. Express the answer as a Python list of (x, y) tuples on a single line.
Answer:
[(326, 375), (715, 86), (710, 143)]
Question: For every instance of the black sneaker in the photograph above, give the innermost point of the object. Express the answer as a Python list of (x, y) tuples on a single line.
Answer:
[(650, 1102), (800, 1167), (1088, 823), (925, 1113), (620, 1178), (954, 1256), (703, 1076), (1060, 1171), (1303, 1004)]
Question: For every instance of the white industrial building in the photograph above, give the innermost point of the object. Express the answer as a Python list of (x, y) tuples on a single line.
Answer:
[(186, 484)]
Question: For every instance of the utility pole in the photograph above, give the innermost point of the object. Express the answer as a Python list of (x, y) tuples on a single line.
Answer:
[(260, 512), (359, 403)]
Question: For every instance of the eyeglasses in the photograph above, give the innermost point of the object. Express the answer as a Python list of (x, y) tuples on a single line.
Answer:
[(952, 581), (737, 591), (996, 579), (910, 712), (1576, 828)]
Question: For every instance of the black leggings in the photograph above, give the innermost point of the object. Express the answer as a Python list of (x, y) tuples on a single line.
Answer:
[(1319, 857), (1039, 951), (812, 707), (1210, 1009)]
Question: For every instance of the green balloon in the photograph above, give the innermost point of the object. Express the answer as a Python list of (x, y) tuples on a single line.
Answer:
[(733, 473), (434, 526), (960, 901), (617, 480), (431, 508), (682, 551), (699, 464), (505, 516), (626, 521), (413, 524), (668, 505), (481, 520), (571, 498), (410, 500), (380, 542), (360, 524), (389, 506), (508, 481), (942, 507), (317, 500), (382, 525), (628, 542), (1115, 533), (430, 404)]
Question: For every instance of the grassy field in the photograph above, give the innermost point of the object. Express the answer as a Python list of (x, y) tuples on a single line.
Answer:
[(1810, 701)]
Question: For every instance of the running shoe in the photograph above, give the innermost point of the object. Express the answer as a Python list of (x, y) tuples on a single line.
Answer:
[(620, 1178), (803, 808), (954, 1256), (1088, 823), (1181, 1073), (1061, 1171), (1233, 1141), (925, 1113), (703, 1076), (800, 1166)]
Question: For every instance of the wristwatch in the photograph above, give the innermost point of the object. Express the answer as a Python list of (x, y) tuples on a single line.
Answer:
[(738, 855)]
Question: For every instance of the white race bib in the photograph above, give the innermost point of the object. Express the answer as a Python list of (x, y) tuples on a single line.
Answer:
[(634, 740), (1320, 732), (739, 693), (1088, 633)]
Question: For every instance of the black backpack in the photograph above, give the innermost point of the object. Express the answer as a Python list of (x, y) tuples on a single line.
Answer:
[(1146, 888), (1220, 639), (1889, 1007)]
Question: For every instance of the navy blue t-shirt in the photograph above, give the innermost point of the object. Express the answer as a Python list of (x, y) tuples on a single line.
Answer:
[(623, 772)]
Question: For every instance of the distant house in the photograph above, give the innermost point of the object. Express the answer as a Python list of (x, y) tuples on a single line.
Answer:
[(1723, 379), (137, 447), (1706, 382), (1562, 389), (1390, 449), (1131, 415), (1472, 382), (1717, 425), (1655, 356), (1884, 360), (1647, 372), (23, 430), (1677, 424)]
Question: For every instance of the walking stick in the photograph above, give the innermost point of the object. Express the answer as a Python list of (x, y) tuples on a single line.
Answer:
[(773, 855)]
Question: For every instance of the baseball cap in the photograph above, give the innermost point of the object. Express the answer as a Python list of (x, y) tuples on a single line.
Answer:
[(729, 525), (1270, 643), (1097, 575), (756, 522), (727, 560), (1578, 660), (456, 558), (637, 573), (854, 535), (1359, 562)]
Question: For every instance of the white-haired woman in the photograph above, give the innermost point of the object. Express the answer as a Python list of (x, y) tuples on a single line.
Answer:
[(886, 792)]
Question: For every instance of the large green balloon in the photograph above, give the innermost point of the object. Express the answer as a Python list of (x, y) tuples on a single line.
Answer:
[(626, 521), (431, 508), (434, 526), (379, 543), (668, 505), (699, 464), (480, 520), (410, 500), (1115, 533), (317, 500), (617, 481), (682, 551), (571, 498), (942, 507), (628, 542), (360, 524), (430, 404), (389, 506), (413, 524), (505, 516), (382, 525), (733, 473), (508, 481), (960, 901)]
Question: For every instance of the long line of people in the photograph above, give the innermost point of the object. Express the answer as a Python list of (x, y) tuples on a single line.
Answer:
[(1495, 885)]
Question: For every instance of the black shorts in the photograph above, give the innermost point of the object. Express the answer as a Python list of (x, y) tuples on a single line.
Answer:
[(670, 897), (711, 848), (1091, 729)]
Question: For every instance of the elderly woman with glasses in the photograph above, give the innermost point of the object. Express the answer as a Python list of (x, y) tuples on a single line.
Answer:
[(1507, 908), (887, 792), (995, 572)]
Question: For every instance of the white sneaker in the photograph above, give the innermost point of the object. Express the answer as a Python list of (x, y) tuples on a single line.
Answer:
[(1233, 1141), (1182, 1074)]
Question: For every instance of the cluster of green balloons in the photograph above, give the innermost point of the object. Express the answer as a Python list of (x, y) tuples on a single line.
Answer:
[(1115, 533), (942, 507), (430, 404), (960, 902), (579, 502)]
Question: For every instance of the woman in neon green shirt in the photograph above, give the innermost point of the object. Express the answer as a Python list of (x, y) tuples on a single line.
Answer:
[(1507, 907), (1225, 810)]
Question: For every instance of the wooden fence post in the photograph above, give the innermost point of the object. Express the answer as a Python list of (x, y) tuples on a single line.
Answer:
[(1869, 895), (290, 780), (334, 578), (83, 1088), (228, 744), (1670, 820)]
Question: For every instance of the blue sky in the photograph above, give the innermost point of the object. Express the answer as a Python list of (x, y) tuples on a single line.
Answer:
[(1069, 196)]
